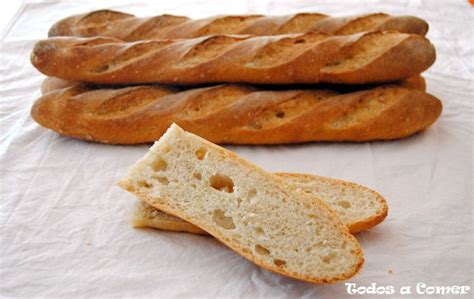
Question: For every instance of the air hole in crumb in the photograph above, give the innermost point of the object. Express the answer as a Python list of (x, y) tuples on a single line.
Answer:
[(159, 165), (261, 250), (222, 183), (161, 179), (259, 231), (279, 263), (222, 220), (144, 184), (344, 245), (193, 186), (328, 258), (131, 189), (166, 148), (201, 153), (197, 175), (280, 114), (312, 216), (252, 193), (345, 204)]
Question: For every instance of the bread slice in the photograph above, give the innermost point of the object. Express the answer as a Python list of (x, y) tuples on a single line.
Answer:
[(358, 207), (257, 214), (145, 215)]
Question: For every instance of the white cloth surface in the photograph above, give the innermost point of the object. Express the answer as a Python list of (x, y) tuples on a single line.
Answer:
[(65, 225)]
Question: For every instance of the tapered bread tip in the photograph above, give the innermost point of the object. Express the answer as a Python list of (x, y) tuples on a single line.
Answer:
[(407, 24), (426, 51), (66, 26), (44, 52), (40, 53), (62, 27)]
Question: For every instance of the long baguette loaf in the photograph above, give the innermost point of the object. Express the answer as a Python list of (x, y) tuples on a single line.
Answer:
[(236, 114), (284, 59), (415, 82), (255, 213), (358, 207), (127, 27)]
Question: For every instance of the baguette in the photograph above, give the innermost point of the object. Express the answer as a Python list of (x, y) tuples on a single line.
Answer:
[(127, 27), (415, 82), (255, 213), (283, 59), (236, 114), (358, 207)]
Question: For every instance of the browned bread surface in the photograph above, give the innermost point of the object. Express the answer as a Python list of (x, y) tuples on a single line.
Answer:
[(283, 59), (236, 114), (127, 27)]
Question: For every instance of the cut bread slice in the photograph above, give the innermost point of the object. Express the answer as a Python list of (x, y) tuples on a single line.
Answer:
[(358, 207), (257, 214)]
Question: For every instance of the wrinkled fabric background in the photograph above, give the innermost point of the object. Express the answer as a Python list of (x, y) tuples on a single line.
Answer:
[(65, 226)]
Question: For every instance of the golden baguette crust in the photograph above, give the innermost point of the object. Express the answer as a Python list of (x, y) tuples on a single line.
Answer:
[(127, 27), (145, 215), (236, 114), (283, 59), (129, 183)]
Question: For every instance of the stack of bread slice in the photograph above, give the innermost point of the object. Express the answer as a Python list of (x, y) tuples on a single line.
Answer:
[(255, 79), (269, 219)]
